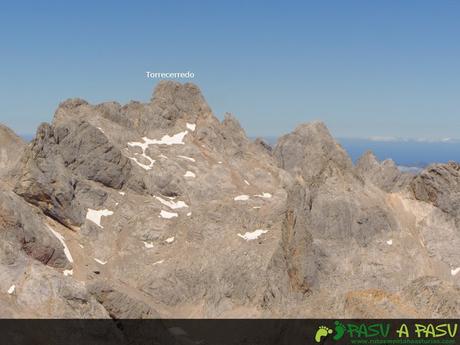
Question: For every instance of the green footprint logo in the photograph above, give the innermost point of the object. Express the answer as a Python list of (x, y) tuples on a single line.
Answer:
[(339, 330), (322, 332)]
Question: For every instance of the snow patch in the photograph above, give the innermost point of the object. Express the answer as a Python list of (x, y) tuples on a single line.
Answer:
[(163, 156), (101, 129), (249, 236), (176, 139), (264, 195), (257, 207), (455, 271), (390, 242), (187, 158), (11, 289), (241, 198), (189, 174), (158, 262), (191, 126), (189, 214), (144, 166), (100, 261), (95, 216), (170, 240), (167, 215), (121, 193), (68, 272), (62, 240), (172, 204), (246, 181), (148, 244)]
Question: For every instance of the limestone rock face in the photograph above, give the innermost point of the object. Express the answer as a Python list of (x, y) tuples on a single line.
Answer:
[(439, 184), (159, 209), (310, 151), (11, 148), (339, 210), (384, 175), (45, 178)]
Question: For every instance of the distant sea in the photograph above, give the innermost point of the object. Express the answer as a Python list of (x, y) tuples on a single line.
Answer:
[(405, 153)]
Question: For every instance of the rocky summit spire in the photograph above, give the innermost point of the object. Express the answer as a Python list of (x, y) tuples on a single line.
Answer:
[(180, 99), (309, 149)]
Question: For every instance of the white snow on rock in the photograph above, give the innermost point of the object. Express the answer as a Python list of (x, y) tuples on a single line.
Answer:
[(121, 193), (68, 272), (100, 261), (170, 240), (158, 262), (172, 204), (241, 198), (187, 158), (249, 236), (264, 195), (163, 156), (148, 244), (62, 240), (189, 214), (101, 129), (95, 216), (246, 181), (189, 174), (144, 166), (11, 289), (81, 246), (219, 162), (455, 271), (390, 242), (176, 139), (191, 126), (167, 215), (257, 207)]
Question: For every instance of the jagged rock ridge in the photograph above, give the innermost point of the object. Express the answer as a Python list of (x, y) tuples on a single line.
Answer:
[(159, 209)]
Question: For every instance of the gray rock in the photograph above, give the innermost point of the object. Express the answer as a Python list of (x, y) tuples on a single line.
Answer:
[(23, 229), (310, 150), (11, 149), (439, 184), (45, 181), (384, 175), (173, 213)]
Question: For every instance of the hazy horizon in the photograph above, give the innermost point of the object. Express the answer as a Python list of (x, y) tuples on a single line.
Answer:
[(366, 69)]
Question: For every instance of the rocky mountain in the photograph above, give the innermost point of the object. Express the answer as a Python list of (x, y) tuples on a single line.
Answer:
[(160, 210)]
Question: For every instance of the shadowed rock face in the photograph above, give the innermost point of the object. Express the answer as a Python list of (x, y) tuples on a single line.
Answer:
[(55, 166), (439, 184), (159, 209)]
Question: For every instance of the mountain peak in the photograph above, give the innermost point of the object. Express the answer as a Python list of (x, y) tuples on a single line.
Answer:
[(309, 149)]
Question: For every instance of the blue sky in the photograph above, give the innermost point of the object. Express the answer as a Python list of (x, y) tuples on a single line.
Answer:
[(366, 68)]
